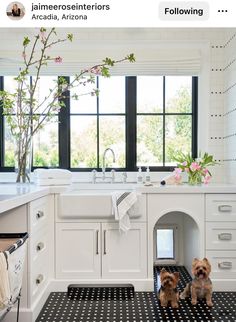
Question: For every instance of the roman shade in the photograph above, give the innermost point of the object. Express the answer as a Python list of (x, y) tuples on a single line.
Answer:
[(149, 61)]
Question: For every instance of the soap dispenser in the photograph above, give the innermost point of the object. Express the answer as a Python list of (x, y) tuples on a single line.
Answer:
[(147, 176), (139, 175)]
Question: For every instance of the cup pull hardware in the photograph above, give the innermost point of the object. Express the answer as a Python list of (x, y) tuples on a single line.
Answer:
[(225, 236), (225, 265), (225, 208), (97, 252), (105, 246), (39, 246), (39, 214), (39, 279)]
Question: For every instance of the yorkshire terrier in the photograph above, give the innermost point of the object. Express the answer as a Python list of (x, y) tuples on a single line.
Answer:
[(201, 285), (168, 292)]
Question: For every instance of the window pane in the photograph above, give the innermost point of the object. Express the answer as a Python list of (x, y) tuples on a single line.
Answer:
[(178, 135), (149, 140), (149, 94), (83, 141), (112, 135), (10, 85), (112, 95), (165, 243), (45, 146), (9, 159), (86, 102), (178, 94), (45, 84)]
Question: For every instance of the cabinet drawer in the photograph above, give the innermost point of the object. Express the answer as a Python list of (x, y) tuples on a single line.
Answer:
[(221, 207), (39, 249), (221, 236), (223, 264), (39, 213), (39, 279)]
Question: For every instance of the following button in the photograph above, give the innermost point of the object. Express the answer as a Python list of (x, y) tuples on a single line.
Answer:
[(182, 10)]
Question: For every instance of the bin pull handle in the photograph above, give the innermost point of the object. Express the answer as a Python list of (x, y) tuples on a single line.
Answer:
[(39, 214), (225, 208), (39, 279), (40, 246), (225, 265)]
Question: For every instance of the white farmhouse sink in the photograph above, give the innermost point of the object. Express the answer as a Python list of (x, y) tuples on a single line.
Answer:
[(90, 203)]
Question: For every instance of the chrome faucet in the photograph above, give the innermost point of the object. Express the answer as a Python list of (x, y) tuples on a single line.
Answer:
[(104, 161)]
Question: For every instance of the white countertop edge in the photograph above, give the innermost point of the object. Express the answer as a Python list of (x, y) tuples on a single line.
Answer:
[(24, 194)]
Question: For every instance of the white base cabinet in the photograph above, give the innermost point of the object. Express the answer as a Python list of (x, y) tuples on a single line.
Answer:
[(100, 250), (78, 250), (124, 255)]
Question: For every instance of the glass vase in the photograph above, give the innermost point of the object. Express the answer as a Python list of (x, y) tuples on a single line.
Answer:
[(194, 178), (23, 158)]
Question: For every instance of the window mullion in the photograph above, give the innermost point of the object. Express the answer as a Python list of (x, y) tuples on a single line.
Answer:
[(131, 122), (164, 121), (64, 131), (194, 116), (1, 126), (98, 137)]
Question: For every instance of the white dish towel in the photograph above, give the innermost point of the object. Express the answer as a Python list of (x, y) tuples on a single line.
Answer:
[(122, 202)]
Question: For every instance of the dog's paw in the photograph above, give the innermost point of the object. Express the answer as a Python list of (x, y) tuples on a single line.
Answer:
[(175, 306), (182, 296), (209, 303), (194, 302)]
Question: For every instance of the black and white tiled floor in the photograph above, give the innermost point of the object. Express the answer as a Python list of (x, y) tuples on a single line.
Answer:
[(105, 305)]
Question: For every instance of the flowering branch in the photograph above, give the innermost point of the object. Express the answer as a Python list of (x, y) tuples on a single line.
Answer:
[(22, 107)]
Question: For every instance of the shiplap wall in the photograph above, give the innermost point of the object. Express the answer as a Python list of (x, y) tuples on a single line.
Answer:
[(229, 115)]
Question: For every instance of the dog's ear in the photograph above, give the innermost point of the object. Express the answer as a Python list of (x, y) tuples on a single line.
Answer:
[(163, 270), (176, 274), (206, 260), (207, 263), (195, 260)]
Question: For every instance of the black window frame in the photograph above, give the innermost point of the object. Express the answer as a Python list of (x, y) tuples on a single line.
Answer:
[(130, 128)]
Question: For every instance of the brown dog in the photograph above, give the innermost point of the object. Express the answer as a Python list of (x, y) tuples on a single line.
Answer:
[(168, 292), (201, 285)]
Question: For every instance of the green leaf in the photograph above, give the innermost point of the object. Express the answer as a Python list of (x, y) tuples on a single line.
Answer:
[(131, 58), (70, 37), (26, 41), (105, 71)]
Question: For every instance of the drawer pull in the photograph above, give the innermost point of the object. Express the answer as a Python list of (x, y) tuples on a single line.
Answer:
[(39, 279), (40, 246), (225, 236), (105, 246), (97, 233), (225, 265), (225, 208), (39, 214)]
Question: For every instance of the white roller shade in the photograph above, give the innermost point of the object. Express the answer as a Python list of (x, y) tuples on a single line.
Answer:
[(149, 61)]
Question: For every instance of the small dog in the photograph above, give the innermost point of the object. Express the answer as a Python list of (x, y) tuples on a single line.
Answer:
[(168, 292), (201, 285)]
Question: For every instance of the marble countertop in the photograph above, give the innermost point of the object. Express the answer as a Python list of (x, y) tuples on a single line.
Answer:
[(13, 195)]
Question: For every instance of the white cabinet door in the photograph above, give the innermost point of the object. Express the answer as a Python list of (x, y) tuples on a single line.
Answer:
[(78, 250), (124, 256)]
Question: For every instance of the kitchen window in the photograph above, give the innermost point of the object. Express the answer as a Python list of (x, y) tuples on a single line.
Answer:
[(144, 119)]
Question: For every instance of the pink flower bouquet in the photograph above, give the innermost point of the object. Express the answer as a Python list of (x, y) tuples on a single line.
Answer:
[(197, 169)]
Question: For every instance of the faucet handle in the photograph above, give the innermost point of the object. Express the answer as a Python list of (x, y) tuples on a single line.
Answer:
[(124, 177), (94, 174), (113, 175)]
